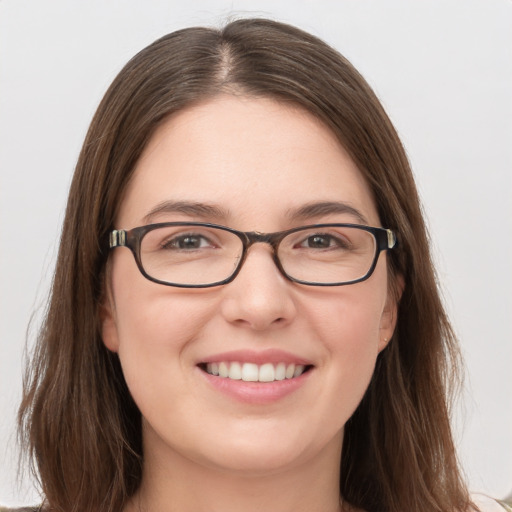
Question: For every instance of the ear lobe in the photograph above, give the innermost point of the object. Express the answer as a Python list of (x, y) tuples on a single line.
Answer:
[(109, 332), (387, 326), (390, 313)]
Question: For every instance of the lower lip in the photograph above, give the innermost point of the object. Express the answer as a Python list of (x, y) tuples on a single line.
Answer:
[(256, 392)]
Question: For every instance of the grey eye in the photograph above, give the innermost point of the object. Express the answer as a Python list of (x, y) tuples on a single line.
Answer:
[(185, 242)]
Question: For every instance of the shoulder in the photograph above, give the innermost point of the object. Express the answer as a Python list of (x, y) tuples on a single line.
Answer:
[(487, 504)]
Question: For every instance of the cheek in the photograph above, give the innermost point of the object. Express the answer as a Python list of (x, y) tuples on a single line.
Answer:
[(156, 334), (352, 342), (347, 321), (155, 324), (148, 314), (155, 327), (344, 323), (348, 317)]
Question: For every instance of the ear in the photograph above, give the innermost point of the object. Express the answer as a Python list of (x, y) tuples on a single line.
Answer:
[(108, 321), (390, 313)]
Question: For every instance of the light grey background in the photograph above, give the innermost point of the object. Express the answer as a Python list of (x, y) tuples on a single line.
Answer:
[(443, 70)]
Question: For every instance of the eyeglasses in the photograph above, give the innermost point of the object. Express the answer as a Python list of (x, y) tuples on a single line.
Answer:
[(200, 255)]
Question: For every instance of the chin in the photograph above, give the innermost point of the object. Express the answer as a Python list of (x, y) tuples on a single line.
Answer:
[(267, 454), (257, 461)]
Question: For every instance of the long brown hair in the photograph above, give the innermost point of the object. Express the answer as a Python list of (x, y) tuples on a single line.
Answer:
[(77, 417)]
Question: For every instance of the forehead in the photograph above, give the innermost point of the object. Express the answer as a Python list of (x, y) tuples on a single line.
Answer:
[(256, 159)]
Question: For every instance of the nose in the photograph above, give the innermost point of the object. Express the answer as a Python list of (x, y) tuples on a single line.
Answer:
[(260, 297)]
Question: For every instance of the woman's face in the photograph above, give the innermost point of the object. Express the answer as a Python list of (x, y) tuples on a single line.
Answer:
[(253, 165)]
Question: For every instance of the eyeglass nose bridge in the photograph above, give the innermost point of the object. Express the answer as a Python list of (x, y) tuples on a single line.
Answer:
[(254, 237), (250, 238)]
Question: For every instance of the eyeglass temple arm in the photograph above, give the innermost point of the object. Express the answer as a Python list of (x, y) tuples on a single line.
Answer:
[(117, 238), (391, 239)]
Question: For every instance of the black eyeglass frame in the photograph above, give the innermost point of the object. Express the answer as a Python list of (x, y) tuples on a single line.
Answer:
[(132, 239)]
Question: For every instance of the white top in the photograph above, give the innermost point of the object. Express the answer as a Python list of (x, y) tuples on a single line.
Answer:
[(487, 504)]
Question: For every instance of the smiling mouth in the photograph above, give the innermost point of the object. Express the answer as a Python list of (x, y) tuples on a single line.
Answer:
[(251, 372)]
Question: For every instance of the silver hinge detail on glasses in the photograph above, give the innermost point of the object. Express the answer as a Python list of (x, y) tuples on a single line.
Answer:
[(391, 239), (117, 238)]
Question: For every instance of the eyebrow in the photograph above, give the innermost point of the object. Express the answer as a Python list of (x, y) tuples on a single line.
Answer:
[(217, 213), (319, 209), (190, 208)]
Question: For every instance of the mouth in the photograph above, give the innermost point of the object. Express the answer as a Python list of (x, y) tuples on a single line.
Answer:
[(251, 372)]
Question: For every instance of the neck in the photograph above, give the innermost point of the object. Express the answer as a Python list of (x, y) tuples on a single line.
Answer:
[(173, 483)]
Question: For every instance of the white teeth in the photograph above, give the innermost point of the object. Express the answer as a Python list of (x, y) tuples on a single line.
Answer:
[(250, 372), (299, 370), (235, 371), (223, 370), (267, 373), (280, 371)]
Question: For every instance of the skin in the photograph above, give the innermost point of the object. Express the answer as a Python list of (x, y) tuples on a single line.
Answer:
[(204, 451)]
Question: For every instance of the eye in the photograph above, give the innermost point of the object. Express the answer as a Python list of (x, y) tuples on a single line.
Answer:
[(323, 241), (318, 241), (189, 241)]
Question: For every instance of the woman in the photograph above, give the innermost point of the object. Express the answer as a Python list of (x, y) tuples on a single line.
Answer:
[(244, 314)]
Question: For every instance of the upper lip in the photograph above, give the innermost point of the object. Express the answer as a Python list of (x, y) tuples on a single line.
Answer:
[(258, 357)]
